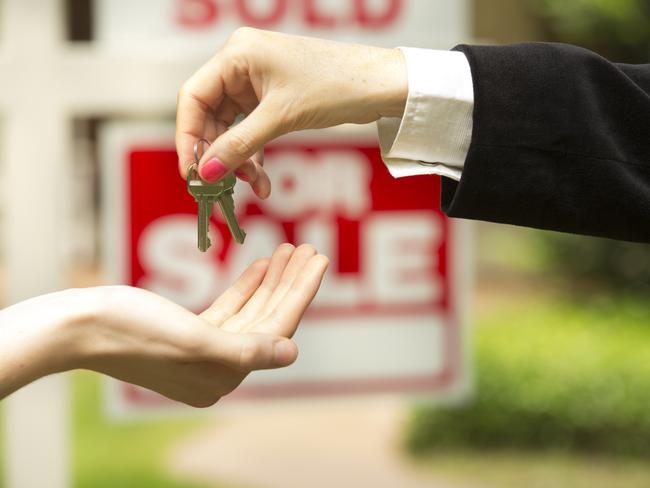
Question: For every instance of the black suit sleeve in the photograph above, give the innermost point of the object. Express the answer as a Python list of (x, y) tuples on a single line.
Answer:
[(561, 141)]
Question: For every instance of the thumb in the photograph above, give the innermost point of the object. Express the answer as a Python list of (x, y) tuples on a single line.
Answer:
[(248, 352), (232, 148)]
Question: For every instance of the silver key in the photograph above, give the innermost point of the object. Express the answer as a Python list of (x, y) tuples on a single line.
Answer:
[(206, 194), (227, 205)]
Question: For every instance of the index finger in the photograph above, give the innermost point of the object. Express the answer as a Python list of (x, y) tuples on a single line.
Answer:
[(197, 99)]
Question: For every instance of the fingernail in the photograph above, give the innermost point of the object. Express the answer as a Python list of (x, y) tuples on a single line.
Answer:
[(213, 170), (284, 352), (241, 175)]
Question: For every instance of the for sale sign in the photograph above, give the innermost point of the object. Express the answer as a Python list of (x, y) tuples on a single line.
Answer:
[(387, 316)]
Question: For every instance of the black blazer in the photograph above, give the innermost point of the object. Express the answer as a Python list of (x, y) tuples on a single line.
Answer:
[(561, 141)]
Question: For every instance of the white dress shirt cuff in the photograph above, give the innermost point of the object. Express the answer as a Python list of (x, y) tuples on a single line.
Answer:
[(434, 134)]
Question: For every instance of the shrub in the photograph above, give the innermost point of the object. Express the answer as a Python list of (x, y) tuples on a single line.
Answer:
[(619, 29), (552, 377), (607, 264)]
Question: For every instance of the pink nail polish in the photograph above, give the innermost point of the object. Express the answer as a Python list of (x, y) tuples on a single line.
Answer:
[(213, 170), (241, 175)]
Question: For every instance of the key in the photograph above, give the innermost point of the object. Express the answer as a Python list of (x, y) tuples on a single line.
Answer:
[(206, 194), (227, 205), (206, 203)]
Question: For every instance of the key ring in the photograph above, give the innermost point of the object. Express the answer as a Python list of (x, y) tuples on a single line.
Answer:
[(194, 165), (196, 149)]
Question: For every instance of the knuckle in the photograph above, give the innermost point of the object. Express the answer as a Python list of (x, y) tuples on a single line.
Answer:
[(286, 247), (111, 296), (322, 263), (323, 260), (182, 90), (307, 249), (185, 90), (238, 144), (261, 263), (248, 354), (252, 354), (242, 34)]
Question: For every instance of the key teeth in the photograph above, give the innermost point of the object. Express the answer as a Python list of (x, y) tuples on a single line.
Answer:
[(223, 193)]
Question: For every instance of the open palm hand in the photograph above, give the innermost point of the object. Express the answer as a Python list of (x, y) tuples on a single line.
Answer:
[(147, 340)]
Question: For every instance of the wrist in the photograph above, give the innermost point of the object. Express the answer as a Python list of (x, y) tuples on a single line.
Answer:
[(48, 331), (65, 336), (391, 83), (77, 329)]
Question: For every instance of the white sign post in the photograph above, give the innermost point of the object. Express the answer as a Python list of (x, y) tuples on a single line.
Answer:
[(43, 83)]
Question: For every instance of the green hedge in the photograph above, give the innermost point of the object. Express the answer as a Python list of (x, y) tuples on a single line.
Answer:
[(552, 376), (619, 29), (602, 263)]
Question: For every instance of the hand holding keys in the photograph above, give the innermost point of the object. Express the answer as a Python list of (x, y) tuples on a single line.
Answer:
[(206, 194)]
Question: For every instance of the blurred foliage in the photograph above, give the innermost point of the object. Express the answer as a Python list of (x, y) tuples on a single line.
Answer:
[(124, 455), (552, 376), (588, 262), (618, 29)]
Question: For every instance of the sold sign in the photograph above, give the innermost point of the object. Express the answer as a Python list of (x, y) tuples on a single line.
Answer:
[(367, 14), (385, 319), (192, 30)]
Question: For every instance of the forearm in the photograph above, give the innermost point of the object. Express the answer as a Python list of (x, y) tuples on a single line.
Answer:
[(39, 337)]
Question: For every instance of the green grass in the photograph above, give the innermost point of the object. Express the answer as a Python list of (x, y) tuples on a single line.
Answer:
[(118, 455), (124, 455), (109, 455), (516, 469), (553, 375)]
